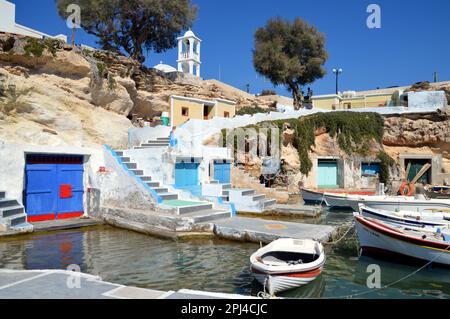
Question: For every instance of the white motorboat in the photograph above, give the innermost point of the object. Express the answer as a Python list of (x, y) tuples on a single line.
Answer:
[(389, 203), (426, 245), (406, 218), (313, 197), (288, 263)]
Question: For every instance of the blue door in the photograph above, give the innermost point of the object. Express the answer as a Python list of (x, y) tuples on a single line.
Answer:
[(54, 191), (328, 174), (222, 173), (186, 174)]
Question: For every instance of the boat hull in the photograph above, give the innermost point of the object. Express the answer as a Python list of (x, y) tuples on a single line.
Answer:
[(374, 237), (311, 197), (278, 283), (390, 218), (338, 202)]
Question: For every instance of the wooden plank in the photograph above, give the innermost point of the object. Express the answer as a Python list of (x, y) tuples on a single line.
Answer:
[(424, 169)]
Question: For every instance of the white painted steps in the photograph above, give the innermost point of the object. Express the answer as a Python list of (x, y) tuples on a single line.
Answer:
[(12, 214)]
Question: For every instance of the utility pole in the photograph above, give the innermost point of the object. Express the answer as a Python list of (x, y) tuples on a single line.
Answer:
[(436, 77), (337, 71), (248, 88)]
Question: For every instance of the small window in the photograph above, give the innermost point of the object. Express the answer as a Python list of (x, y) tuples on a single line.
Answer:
[(348, 106), (185, 111), (226, 114)]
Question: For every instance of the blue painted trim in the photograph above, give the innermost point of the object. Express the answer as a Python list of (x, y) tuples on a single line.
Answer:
[(117, 157), (233, 210)]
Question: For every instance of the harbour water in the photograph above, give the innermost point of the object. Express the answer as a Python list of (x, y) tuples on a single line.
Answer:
[(134, 259)]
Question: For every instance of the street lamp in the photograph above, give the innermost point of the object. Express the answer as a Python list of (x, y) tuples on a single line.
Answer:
[(337, 72)]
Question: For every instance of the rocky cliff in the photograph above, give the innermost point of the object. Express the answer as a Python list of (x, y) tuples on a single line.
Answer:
[(53, 94)]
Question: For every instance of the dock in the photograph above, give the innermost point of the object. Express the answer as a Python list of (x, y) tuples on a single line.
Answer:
[(300, 211), (61, 284), (265, 231), (62, 224)]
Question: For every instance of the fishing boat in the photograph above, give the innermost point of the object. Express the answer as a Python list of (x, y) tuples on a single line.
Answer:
[(389, 203), (313, 197), (288, 263), (439, 192), (406, 218), (408, 243)]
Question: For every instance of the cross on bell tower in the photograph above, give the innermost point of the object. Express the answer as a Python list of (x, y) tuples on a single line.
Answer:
[(189, 54)]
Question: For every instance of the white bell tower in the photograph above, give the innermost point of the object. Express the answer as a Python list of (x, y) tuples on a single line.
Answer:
[(189, 54)]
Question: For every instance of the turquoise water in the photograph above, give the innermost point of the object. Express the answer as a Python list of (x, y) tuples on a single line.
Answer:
[(129, 258)]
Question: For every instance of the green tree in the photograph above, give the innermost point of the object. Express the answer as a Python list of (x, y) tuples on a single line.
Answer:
[(290, 54), (133, 25)]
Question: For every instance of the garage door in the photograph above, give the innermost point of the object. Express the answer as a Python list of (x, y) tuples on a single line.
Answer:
[(327, 174), (186, 174), (222, 173), (54, 187)]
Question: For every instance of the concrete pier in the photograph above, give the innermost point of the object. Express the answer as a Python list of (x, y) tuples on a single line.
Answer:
[(266, 231), (299, 211), (60, 284)]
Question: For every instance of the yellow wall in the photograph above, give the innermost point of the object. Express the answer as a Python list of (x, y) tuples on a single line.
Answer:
[(375, 101), (356, 103), (326, 103), (225, 107), (195, 111)]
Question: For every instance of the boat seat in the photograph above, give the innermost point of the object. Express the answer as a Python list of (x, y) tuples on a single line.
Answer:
[(272, 260)]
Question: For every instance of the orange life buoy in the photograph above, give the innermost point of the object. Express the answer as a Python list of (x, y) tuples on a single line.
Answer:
[(406, 189)]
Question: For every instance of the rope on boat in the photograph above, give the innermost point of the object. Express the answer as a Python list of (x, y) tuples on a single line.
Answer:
[(340, 239), (397, 281)]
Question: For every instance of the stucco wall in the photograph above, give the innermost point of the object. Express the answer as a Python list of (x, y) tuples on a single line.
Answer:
[(225, 107), (7, 16), (195, 111), (12, 170)]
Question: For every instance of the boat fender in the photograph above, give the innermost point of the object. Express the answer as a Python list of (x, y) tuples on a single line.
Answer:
[(406, 189)]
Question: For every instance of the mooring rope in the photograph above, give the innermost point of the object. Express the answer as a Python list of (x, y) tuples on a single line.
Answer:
[(345, 234)]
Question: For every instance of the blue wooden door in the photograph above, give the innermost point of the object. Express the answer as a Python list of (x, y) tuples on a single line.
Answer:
[(186, 174), (70, 204), (54, 191), (327, 174), (40, 192), (222, 173)]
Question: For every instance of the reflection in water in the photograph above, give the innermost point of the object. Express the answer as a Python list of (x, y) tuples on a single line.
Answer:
[(138, 260)]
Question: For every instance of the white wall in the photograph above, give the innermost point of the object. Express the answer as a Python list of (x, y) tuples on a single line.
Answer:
[(7, 16), (12, 168)]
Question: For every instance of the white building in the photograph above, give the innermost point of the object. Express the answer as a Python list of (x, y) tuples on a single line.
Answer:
[(189, 54), (8, 23)]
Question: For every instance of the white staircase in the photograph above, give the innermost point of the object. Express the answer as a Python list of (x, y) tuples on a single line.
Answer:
[(199, 212), (12, 214), (159, 142), (244, 200)]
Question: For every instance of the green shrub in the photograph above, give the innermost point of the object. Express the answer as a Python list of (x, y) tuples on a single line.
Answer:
[(354, 132), (250, 110), (34, 47), (386, 162)]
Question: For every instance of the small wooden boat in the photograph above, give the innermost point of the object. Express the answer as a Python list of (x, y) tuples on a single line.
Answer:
[(389, 203), (438, 192), (288, 263), (313, 197), (407, 218), (425, 245)]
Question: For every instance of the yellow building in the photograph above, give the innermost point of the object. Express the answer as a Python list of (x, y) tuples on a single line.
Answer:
[(183, 109), (351, 100)]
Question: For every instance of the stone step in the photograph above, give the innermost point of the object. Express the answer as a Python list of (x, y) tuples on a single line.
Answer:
[(131, 165), (168, 196), (119, 153), (2, 194), (8, 212), (194, 208), (153, 184), (248, 192), (163, 139), (23, 226), (18, 220), (226, 193), (125, 159), (226, 186), (160, 190), (207, 215), (145, 178), (5, 202), (137, 172), (259, 198), (214, 182), (146, 147), (269, 202), (156, 144)]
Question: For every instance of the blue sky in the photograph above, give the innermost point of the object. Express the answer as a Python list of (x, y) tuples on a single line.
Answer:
[(411, 44)]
